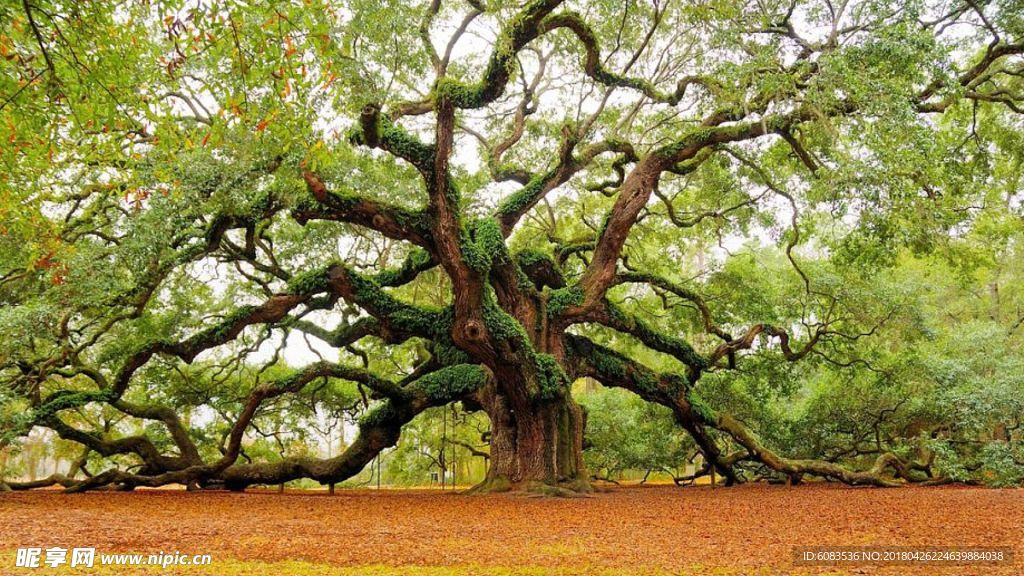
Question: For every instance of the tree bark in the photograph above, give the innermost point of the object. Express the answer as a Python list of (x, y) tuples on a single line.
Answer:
[(535, 446)]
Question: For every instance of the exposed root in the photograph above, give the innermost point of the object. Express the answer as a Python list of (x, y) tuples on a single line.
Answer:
[(573, 489)]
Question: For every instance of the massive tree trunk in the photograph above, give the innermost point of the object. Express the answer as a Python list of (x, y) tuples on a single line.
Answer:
[(535, 446), (536, 442)]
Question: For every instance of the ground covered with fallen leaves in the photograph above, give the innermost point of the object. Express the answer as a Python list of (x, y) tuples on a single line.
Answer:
[(641, 530)]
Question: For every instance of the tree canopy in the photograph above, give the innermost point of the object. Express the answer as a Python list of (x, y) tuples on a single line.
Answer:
[(795, 225)]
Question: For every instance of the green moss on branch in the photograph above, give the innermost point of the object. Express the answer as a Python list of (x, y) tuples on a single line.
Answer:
[(452, 382), (482, 244), (562, 298)]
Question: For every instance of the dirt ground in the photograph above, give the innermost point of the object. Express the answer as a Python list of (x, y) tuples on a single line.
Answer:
[(659, 529)]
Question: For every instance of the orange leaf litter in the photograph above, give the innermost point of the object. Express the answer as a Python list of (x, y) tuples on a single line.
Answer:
[(751, 527)]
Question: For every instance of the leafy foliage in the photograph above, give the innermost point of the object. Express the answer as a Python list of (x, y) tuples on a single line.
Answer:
[(229, 233)]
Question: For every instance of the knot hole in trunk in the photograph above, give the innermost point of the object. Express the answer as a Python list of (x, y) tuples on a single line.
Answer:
[(474, 330)]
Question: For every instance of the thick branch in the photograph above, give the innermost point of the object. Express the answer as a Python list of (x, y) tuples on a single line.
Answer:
[(391, 221)]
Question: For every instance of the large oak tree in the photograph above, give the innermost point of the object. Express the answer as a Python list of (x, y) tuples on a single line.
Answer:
[(479, 191)]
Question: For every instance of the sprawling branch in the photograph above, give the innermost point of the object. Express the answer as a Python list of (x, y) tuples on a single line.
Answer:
[(968, 79), (746, 340), (614, 369), (519, 32), (394, 316), (512, 209), (378, 429), (594, 67), (391, 221), (273, 310), (658, 282), (612, 316)]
